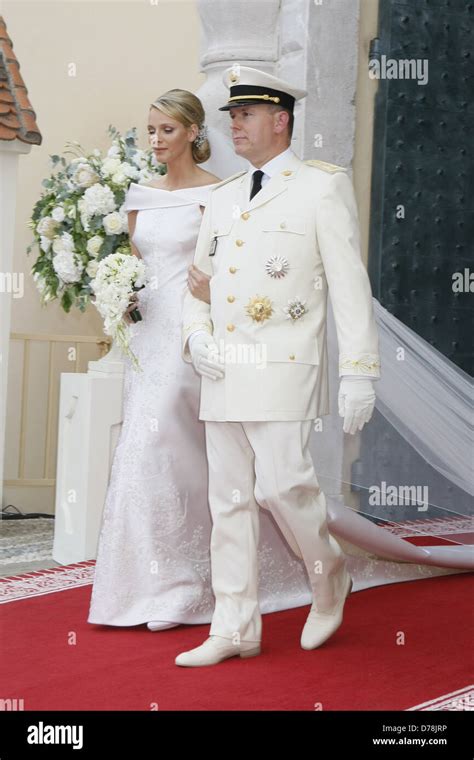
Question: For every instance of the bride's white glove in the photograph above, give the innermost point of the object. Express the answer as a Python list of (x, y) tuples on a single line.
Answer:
[(204, 355), (356, 402)]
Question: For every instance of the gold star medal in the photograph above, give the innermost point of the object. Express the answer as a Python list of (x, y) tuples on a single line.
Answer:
[(259, 308)]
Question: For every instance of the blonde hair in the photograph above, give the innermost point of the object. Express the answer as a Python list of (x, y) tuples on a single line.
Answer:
[(187, 109)]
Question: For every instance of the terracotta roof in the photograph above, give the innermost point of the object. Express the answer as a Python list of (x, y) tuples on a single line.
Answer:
[(17, 117)]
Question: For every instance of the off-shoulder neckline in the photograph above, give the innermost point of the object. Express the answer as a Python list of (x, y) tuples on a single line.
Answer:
[(179, 190)]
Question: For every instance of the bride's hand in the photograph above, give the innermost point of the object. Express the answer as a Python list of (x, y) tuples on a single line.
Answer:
[(198, 284), (133, 305)]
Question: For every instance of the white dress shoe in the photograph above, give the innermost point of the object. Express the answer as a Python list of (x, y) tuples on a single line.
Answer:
[(320, 626), (160, 625), (214, 650)]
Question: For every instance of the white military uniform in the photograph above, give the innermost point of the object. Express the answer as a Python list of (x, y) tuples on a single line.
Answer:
[(272, 261), (304, 220)]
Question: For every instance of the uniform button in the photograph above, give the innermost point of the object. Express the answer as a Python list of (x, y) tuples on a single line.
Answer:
[(231, 299), (292, 356), (245, 215), (287, 173), (232, 270), (283, 225), (239, 242), (230, 327)]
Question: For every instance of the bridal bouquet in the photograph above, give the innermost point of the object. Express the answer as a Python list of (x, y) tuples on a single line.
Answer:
[(79, 220), (117, 276)]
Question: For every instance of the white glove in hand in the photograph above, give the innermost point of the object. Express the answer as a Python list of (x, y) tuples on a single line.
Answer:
[(356, 402), (204, 355)]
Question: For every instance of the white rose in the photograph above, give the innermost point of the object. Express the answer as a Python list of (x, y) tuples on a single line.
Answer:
[(58, 214), (113, 223), (91, 268), (94, 244)]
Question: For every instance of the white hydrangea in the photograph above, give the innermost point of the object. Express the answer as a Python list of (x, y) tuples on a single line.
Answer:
[(64, 242), (129, 170), (45, 243), (98, 199), (68, 266), (119, 177), (109, 166)]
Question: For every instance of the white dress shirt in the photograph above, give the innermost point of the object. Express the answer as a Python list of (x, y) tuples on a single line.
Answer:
[(275, 165)]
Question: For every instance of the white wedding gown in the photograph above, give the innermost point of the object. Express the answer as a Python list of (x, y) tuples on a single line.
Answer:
[(153, 560)]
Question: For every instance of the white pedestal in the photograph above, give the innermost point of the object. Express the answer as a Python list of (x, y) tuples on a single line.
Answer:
[(90, 418)]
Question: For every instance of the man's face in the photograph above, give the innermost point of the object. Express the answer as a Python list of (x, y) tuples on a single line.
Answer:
[(254, 129)]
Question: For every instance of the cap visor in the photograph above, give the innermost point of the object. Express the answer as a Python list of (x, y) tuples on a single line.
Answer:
[(228, 106)]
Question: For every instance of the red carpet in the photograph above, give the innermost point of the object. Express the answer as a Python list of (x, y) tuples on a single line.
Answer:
[(54, 660)]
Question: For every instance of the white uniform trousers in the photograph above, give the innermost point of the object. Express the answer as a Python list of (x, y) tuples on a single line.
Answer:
[(266, 463)]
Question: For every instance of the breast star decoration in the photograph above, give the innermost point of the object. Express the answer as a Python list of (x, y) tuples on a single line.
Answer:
[(259, 308), (277, 266), (296, 309)]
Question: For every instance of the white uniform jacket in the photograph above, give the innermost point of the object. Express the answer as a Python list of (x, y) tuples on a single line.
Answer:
[(272, 262)]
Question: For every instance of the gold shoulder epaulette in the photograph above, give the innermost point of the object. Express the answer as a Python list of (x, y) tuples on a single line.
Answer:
[(325, 166), (228, 179)]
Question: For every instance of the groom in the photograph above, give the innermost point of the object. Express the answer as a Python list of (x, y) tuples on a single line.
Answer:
[(276, 240)]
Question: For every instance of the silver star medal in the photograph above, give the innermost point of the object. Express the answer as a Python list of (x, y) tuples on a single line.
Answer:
[(295, 309), (277, 266)]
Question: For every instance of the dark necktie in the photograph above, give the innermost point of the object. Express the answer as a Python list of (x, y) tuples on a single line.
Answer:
[(257, 183)]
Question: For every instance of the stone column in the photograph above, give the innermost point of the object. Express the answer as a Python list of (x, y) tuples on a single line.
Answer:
[(245, 32)]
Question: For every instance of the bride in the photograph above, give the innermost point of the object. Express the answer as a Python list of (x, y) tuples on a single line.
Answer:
[(153, 561)]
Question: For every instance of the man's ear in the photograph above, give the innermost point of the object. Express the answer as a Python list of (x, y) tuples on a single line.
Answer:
[(283, 117)]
